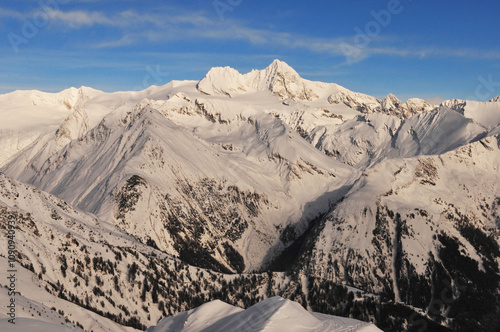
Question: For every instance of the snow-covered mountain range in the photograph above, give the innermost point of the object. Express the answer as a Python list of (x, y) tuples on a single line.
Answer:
[(245, 173)]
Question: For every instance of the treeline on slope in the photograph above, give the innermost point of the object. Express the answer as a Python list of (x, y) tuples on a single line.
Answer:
[(454, 291), (177, 287), (173, 286), (226, 208)]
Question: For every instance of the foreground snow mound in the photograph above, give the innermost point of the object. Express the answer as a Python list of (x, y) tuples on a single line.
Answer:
[(273, 314)]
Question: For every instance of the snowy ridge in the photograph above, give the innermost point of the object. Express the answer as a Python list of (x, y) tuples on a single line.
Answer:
[(222, 81), (354, 100), (282, 80), (28, 115), (486, 114), (392, 105), (366, 140)]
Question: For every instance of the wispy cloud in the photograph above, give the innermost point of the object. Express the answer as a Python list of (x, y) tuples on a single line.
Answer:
[(138, 28), (433, 52), (196, 26)]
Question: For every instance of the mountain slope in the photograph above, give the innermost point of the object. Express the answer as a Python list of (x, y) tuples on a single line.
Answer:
[(92, 274), (194, 186), (411, 229), (55, 245), (368, 139)]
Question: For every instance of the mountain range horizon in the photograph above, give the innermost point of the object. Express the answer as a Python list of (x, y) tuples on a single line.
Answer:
[(272, 193)]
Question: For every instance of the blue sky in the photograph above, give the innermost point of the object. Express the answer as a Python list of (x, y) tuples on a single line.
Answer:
[(447, 48)]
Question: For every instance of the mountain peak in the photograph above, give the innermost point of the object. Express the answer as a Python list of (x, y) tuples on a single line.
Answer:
[(278, 62), (279, 78), (224, 71), (390, 102), (222, 81), (392, 97), (282, 80), (392, 105), (281, 66)]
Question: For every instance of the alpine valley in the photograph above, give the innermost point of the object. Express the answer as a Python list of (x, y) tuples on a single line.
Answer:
[(249, 202)]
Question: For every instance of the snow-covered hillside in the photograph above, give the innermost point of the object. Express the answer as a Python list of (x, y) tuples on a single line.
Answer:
[(233, 173), (409, 227), (77, 270), (158, 193), (54, 243)]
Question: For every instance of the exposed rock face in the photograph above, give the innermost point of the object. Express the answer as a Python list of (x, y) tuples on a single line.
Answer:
[(455, 104), (392, 105), (389, 105), (354, 100), (416, 105)]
